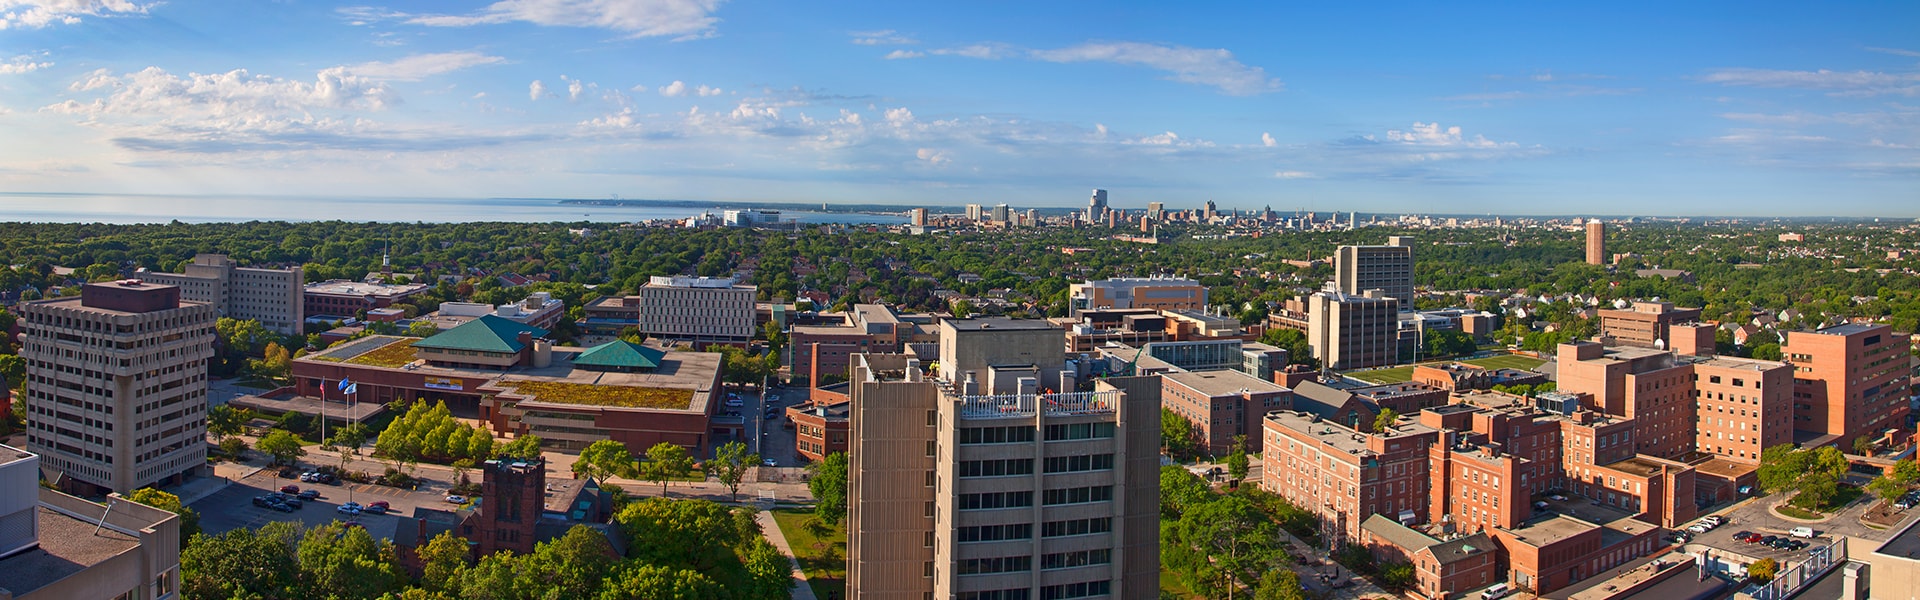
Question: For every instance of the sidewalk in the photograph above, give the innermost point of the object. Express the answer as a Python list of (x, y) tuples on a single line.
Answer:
[(801, 591)]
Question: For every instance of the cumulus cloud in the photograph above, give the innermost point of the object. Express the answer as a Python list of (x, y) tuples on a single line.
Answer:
[(422, 66), (933, 157), (884, 37), (21, 64), (1266, 139), (1432, 134), (982, 51), (899, 54), (536, 90), (1293, 175), (674, 90), (683, 19), (1839, 83), (574, 88), (236, 96), (1199, 66), (706, 91), (1895, 51), (35, 14)]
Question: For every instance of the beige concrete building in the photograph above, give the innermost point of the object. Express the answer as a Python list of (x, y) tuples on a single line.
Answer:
[(116, 388), (274, 297), (57, 547), (1647, 325), (1165, 293), (988, 486), (1358, 269), (1348, 331), (697, 310)]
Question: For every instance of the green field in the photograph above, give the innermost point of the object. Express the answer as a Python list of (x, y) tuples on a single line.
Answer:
[(823, 558), (1399, 374)]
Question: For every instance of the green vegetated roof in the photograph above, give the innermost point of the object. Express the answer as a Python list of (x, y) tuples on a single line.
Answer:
[(489, 333), (620, 353)]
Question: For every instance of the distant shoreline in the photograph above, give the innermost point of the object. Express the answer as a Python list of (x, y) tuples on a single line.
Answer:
[(869, 209)]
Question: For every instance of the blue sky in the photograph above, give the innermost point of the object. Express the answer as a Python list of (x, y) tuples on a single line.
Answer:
[(1598, 108)]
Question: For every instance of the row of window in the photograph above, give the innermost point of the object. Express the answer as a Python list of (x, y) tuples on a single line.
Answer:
[(1079, 495), (993, 500), (1074, 464), (1022, 434), (997, 564), (994, 533), (996, 468)]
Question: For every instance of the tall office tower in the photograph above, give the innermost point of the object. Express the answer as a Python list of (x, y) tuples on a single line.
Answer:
[(274, 297), (979, 480), (1385, 268), (1001, 213), (1849, 380), (1353, 331), (116, 388), (1155, 210), (974, 212), (1353, 220), (1210, 212), (1033, 217), (1596, 242), (1097, 206), (919, 217)]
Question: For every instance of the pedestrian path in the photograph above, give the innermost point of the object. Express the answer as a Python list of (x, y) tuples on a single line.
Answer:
[(801, 591)]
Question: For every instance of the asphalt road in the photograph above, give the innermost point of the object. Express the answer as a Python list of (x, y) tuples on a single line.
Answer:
[(232, 507)]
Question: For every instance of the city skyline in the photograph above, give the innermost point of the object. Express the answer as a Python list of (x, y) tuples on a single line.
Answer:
[(1692, 110)]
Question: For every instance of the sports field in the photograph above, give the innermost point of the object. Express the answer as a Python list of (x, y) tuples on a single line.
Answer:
[(1399, 374)]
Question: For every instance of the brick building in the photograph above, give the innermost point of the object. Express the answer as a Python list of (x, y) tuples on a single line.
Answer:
[(1849, 381), (342, 298), (1645, 324), (1222, 405)]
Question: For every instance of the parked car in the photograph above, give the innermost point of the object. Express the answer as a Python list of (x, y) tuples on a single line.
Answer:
[(457, 499), (1742, 536), (1557, 498), (280, 506), (1698, 528), (374, 510), (380, 504), (261, 501), (307, 476), (1769, 540), (350, 508), (768, 462), (289, 489), (1802, 531), (325, 478), (294, 502), (309, 495)]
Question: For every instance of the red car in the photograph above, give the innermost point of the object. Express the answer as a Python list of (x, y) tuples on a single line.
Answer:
[(290, 489)]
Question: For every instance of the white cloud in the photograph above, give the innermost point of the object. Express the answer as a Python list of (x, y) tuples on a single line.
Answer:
[(1842, 83), (536, 90), (1294, 175), (235, 96), (21, 64), (899, 54), (421, 66), (41, 13), (1210, 67), (707, 91), (981, 51), (1432, 134), (884, 37), (674, 90), (1266, 139), (685, 19), (1895, 51), (933, 157), (574, 88)]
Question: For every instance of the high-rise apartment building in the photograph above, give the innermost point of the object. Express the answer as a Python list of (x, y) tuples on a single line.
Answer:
[(116, 388), (1649, 386), (1385, 268), (1596, 242), (919, 217), (271, 296), (1001, 213), (1849, 380), (1097, 206), (1155, 210), (1351, 331), (980, 480), (1645, 324), (974, 212), (699, 310), (1744, 406)]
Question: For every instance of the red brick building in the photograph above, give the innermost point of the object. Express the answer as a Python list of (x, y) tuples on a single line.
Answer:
[(821, 425), (1222, 405), (1850, 381)]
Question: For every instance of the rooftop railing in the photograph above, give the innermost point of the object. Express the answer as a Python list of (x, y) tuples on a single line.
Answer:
[(1007, 406)]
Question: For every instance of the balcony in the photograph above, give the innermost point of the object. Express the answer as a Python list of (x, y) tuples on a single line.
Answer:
[(1008, 406)]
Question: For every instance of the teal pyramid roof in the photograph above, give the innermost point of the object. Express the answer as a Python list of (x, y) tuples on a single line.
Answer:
[(489, 333), (620, 353)]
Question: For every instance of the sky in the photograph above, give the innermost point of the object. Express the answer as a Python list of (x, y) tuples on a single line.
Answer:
[(1606, 108)]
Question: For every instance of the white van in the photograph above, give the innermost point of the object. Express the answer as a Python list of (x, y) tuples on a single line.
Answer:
[(1801, 532), (1499, 590)]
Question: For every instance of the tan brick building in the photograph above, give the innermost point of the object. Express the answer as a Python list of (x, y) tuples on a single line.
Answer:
[(1222, 405), (1745, 406), (1849, 380), (1645, 324)]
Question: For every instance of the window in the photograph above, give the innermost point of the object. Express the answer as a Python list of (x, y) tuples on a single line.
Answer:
[(995, 435), (1080, 495), (999, 468), (1079, 431), (1015, 594), (994, 533), (1076, 590), (994, 500), (1073, 464), (1076, 527), (998, 564), (1064, 560)]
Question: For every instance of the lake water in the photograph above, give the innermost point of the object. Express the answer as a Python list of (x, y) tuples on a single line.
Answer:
[(111, 208)]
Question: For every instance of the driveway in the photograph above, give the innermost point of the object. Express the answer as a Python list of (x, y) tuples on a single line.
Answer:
[(232, 507)]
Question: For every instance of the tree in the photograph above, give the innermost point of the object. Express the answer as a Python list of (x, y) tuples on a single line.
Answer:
[(828, 483), (730, 465), (1887, 488), (1176, 434), (526, 446), (13, 370), (241, 563), (692, 533), (282, 446), (189, 519), (602, 460), (1385, 419), (1299, 351), (769, 571), (1906, 471), (666, 461), (1767, 351), (234, 448), (639, 581), (1863, 446), (273, 363), (225, 421), (1397, 576), (1280, 584), (1220, 545), (441, 562), (422, 328), (1181, 490), (1237, 467), (572, 566), (340, 562), (347, 441), (1763, 570)]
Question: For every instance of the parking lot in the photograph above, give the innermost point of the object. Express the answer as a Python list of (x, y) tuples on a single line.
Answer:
[(232, 507)]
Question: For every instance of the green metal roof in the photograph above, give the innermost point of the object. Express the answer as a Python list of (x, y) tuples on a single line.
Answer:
[(489, 333), (620, 353)]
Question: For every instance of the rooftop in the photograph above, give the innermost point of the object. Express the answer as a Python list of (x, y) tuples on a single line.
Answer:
[(874, 313), (10, 454), (1222, 383), (1745, 364), (1395, 390), (488, 333), (694, 282), (68, 545), (1000, 324), (1905, 544), (1636, 465), (620, 354), (1544, 530), (1847, 329), (343, 287)]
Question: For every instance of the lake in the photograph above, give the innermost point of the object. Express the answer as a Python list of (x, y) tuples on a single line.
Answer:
[(126, 209)]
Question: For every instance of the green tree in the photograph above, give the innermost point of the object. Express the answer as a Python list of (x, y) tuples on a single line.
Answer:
[(339, 562), (347, 441), (442, 561), (1385, 419), (225, 421), (602, 460), (1906, 471), (1220, 545), (13, 370), (1237, 467), (1886, 488), (422, 328), (1863, 446), (496, 576), (768, 570), (828, 484), (1176, 434), (189, 519), (273, 363), (666, 461), (526, 446), (1397, 576), (241, 563), (730, 464), (1763, 570), (1280, 584), (693, 533), (1181, 490), (572, 566), (282, 446), (1767, 352), (640, 581), (1299, 352)]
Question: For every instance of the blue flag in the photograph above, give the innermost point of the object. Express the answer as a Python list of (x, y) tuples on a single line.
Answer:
[(352, 388), (344, 382)]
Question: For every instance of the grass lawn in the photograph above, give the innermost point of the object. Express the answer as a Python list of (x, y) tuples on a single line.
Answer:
[(824, 563), (1400, 374), (604, 395), (1171, 587), (1798, 513)]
